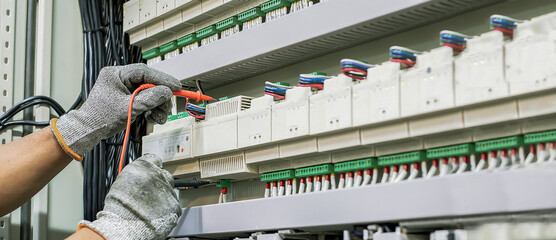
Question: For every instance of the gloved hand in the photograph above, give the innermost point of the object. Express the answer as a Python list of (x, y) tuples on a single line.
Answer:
[(141, 204), (105, 111)]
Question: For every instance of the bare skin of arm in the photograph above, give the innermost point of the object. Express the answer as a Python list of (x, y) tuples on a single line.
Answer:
[(85, 234), (27, 165)]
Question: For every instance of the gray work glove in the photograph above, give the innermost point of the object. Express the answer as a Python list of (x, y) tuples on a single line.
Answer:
[(105, 111), (141, 204)]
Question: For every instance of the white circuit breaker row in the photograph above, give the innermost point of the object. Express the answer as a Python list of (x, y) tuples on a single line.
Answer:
[(151, 23), (489, 68)]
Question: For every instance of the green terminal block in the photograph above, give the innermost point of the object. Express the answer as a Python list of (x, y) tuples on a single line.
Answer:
[(186, 40), (367, 163), (273, 5), (178, 116), (223, 183), (541, 137), (452, 151), (277, 176), (224, 98), (227, 23), (314, 171), (155, 52), (501, 143), (208, 31), (250, 14), (404, 158), (168, 47)]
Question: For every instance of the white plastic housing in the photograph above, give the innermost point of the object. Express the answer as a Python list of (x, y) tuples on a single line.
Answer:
[(216, 135), (531, 56), (131, 14), (147, 10), (290, 118), (479, 69), (226, 166), (377, 98), (330, 109), (254, 124), (429, 85), (170, 145)]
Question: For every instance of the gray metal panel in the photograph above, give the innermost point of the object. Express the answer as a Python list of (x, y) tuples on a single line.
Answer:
[(5, 227), (325, 27), (452, 196)]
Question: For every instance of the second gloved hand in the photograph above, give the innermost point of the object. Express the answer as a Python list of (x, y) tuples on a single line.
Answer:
[(105, 111), (141, 204)]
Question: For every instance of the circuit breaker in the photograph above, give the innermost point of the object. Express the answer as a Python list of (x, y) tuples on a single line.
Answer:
[(531, 56), (429, 85), (131, 14), (479, 69), (330, 109), (254, 124), (290, 117), (377, 98), (147, 10)]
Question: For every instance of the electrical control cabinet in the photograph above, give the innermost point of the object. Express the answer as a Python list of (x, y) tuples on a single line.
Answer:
[(377, 98), (531, 56), (147, 10), (479, 69), (254, 124), (330, 109), (429, 85), (131, 14), (290, 117)]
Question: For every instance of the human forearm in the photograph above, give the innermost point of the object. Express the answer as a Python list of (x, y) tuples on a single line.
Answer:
[(85, 234), (27, 165)]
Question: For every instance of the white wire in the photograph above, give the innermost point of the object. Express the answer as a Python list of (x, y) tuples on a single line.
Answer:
[(431, 171), (318, 185), (480, 165), (461, 169), (513, 160), (281, 190), (424, 168), (224, 198), (443, 169), (366, 178), (522, 155), (325, 185), (530, 158), (288, 189), (309, 187), (266, 193), (454, 165), (349, 181), (274, 192), (332, 181), (341, 183), (375, 176), (492, 163), (552, 155), (358, 180), (301, 188), (401, 176), (384, 178), (294, 186), (413, 172), (220, 198), (541, 154), (504, 161), (393, 176)]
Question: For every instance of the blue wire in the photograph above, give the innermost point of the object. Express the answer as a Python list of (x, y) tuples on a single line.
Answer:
[(402, 53), (502, 21), (196, 109), (275, 89), (452, 37), (355, 64)]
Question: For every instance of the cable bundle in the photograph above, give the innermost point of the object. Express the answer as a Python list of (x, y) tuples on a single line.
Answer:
[(105, 44), (30, 102), (195, 111), (314, 80), (355, 69), (503, 24), (277, 90), (403, 55), (455, 40)]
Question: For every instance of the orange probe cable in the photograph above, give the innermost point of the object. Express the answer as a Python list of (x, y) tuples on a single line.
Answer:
[(197, 96)]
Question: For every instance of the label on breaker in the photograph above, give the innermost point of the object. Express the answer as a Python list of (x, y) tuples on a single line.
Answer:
[(170, 148)]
